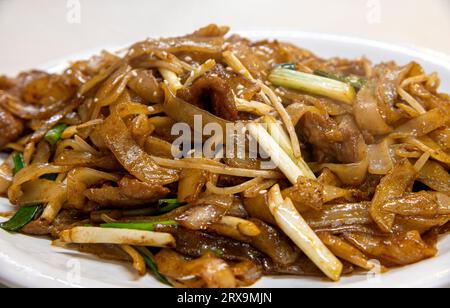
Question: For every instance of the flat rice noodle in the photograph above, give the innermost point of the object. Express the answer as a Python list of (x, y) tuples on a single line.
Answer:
[(131, 156), (29, 173), (199, 48), (350, 174), (435, 176), (442, 137), (77, 159), (160, 148), (207, 271), (79, 180), (367, 114), (29, 111), (38, 191), (146, 86), (398, 182), (200, 217), (345, 250), (191, 184), (428, 204), (117, 197), (334, 216), (306, 194), (388, 79), (274, 244), (420, 224), (183, 112), (400, 249), (422, 125), (381, 157), (258, 207)]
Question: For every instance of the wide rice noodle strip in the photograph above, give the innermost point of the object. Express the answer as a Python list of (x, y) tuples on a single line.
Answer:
[(350, 174), (91, 235), (98, 78), (422, 125), (235, 189), (138, 260), (394, 185), (32, 172), (193, 163), (72, 130), (380, 157), (111, 90), (435, 176), (183, 112), (134, 159), (80, 179), (426, 144), (38, 191), (76, 144), (331, 193), (296, 228), (191, 184), (339, 216), (367, 113), (345, 251)]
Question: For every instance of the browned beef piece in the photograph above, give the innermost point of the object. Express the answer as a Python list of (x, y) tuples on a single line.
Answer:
[(66, 219), (213, 94), (130, 193), (10, 127), (330, 141), (196, 244)]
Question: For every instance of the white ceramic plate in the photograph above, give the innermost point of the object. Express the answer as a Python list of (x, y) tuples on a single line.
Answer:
[(32, 262)]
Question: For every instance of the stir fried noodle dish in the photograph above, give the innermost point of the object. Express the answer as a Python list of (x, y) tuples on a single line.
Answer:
[(209, 160)]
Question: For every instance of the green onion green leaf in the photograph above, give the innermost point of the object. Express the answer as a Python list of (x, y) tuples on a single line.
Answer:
[(54, 135), (143, 226), (168, 205), (149, 261), (23, 216), (355, 81), (18, 161)]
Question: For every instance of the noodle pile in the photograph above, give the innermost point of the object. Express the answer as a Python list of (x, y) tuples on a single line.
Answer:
[(362, 154)]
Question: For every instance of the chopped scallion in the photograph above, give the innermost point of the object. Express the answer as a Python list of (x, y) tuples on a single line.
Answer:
[(143, 226), (149, 261), (313, 84), (23, 216), (18, 161), (54, 135)]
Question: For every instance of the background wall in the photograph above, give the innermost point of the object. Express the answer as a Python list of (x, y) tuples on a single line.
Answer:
[(35, 32)]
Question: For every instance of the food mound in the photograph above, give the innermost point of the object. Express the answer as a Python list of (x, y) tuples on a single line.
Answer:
[(359, 153)]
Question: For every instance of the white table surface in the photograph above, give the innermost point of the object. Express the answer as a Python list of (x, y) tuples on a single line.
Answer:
[(36, 32)]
